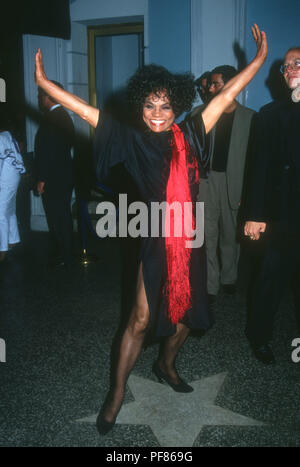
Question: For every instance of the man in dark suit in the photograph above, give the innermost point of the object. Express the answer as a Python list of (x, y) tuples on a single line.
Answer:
[(54, 166), (272, 208), (221, 188)]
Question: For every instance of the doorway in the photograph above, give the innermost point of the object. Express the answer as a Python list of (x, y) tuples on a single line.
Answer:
[(115, 53)]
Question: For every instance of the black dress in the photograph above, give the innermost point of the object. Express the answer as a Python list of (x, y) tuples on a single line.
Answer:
[(146, 156)]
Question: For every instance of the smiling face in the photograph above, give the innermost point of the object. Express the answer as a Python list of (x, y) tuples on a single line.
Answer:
[(158, 113), (292, 73)]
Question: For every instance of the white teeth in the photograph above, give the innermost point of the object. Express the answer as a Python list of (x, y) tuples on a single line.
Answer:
[(157, 122)]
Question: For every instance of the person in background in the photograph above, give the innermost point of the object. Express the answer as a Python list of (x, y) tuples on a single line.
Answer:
[(221, 189), (11, 168), (54, 170), (272, 208)]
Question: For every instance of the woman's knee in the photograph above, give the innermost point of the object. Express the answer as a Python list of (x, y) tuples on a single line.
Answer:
[(139, 319)]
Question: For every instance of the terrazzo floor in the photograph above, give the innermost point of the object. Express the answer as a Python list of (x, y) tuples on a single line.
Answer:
[(58, 326)]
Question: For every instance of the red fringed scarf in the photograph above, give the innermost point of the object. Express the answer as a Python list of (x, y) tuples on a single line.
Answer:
[(178, 288)]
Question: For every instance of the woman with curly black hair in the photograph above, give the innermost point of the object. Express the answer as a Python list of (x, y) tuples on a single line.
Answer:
[(153, 79), (164, 159)]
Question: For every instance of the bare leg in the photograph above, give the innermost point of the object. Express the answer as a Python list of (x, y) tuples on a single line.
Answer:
[(130, 348), (169, 351)]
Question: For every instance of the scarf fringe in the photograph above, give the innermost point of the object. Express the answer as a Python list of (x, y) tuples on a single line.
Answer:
[(178, 288)]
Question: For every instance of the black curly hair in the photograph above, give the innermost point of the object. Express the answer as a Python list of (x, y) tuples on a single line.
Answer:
[(155, 79), (227, 72)]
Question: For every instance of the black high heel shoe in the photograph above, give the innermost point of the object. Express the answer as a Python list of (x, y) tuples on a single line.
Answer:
[(103, 426), (182, 386)]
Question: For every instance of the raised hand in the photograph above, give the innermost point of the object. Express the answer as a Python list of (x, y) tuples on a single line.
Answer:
[(261, 42), (233, 87), (70, 101), (39, 74)]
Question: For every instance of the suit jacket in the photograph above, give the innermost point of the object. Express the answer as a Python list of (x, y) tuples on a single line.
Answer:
[(53, 143), (237, 151), (273, 188)]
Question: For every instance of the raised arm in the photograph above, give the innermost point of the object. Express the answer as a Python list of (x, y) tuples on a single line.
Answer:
[(218, 104), (65, 98)]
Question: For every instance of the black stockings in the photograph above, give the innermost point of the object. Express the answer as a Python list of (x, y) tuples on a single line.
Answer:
[(131, 346)]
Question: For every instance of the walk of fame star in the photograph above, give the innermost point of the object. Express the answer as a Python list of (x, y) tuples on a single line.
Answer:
[(175, 418)]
